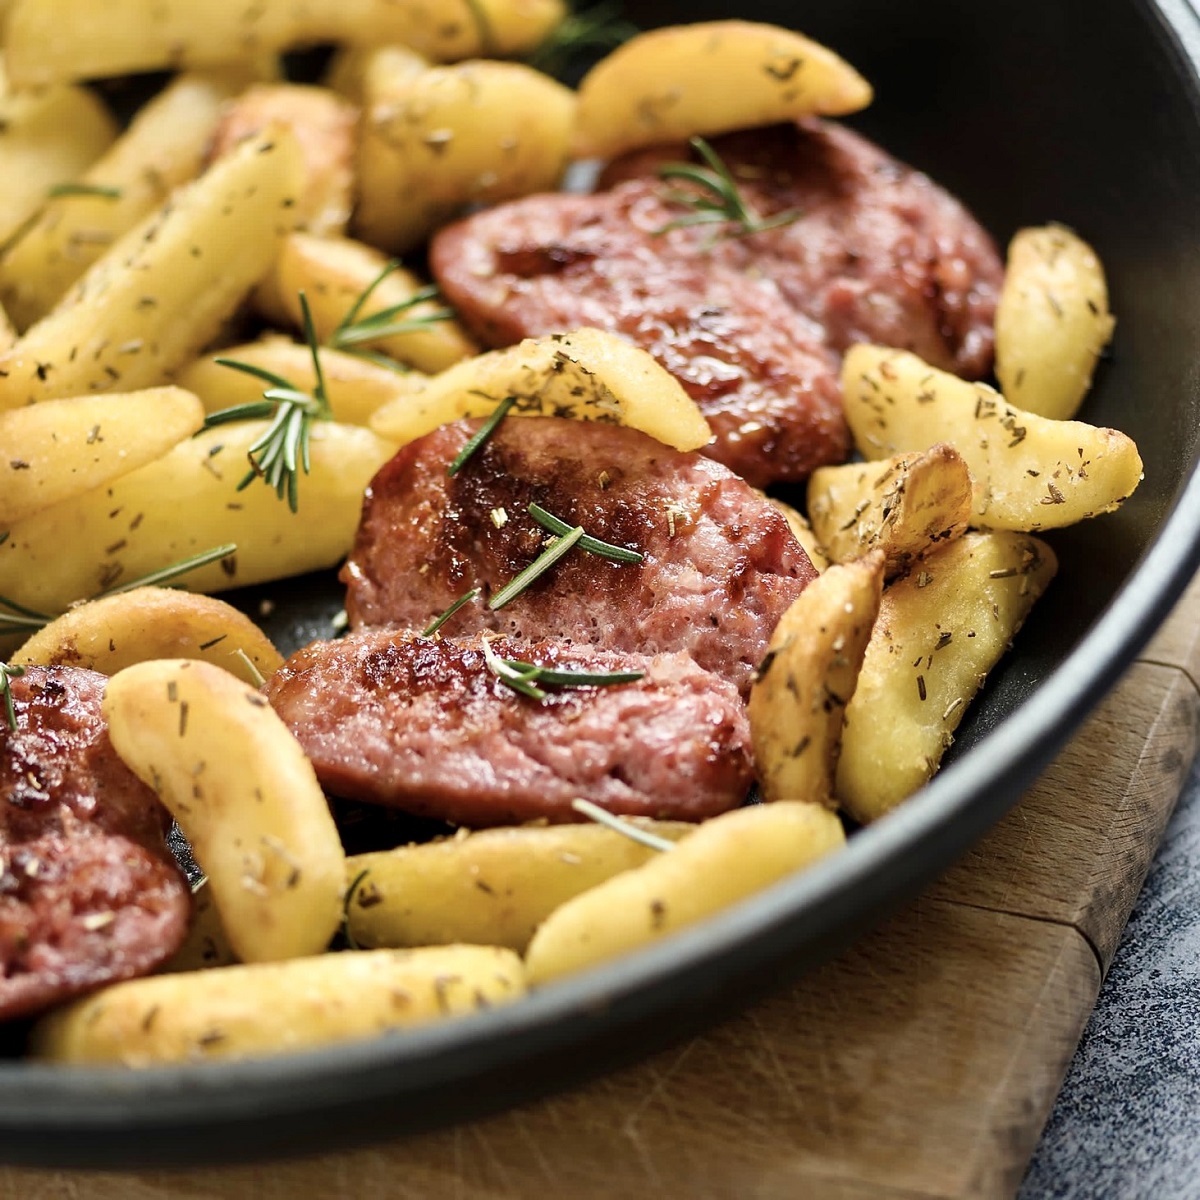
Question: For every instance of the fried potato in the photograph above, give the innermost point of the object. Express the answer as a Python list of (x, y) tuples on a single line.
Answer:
[(185, 503), (334, 273), (355, 387), (325, 128), (725, 860), (588, 374), (276, 1008), (474, 133), (164, 290), (940, 631), (164, 147), (51, 40), (904, 505), (207, 944), (712, 77), (359, 71), (493, 887), (807, 678), (51, 452), (1052, 321), (1029, 472), (114, 632), (47, 138), (802, 531), (245, 795)]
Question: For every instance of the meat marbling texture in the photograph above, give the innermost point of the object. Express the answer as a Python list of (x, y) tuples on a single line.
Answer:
[(752, 326), (424, 725), (720, 564), (89, 892)]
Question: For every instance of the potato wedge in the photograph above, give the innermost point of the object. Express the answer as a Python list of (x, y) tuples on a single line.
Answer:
[(245, 796), (905, 505), (276, 1008), (725, 860), (51, 40), (324, 125), (359, 71), (803, 532), (473, 133), (164, 290), (334, 273), (588, 374), (712, 77), (207, 944), (1029, 472), (355, 387), (46, 138), (939, 632), (163, 148), (115, 632), (124, 530), (51, 452), (1052, 321), (493, 887), (807, 678)]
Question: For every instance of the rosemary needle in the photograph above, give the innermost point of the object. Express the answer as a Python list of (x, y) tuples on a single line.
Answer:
[(603, 817), (518, 680), (353, 329), (439, 621), (7, 675), (100, 191), (540, 565), (592, 545), (480, 436)]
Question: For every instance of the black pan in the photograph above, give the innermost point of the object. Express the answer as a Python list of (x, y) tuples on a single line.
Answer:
[(1084, 111)]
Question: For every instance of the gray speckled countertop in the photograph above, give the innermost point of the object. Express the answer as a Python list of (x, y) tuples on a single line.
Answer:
[(1127, 1122)]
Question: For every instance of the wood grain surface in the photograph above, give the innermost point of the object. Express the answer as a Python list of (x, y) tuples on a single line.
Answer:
[(921, 1063)]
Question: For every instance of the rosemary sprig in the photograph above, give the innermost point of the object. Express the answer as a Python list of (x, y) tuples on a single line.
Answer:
[(21, 618), (571, 679), (353, 330), (603, 817), (513, 677), (596, 29), (561, 546), (282, 450), (100, 191), (439, 621), (716, 200), (480, 436), (592, 545), (7, 674)]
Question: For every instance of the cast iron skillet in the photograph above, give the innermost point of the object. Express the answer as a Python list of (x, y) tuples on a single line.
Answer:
[(1085, 111)]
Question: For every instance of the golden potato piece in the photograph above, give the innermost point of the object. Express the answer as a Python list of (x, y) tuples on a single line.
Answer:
[(1029, 472), (207, 944), (712, 77), (245, 796), (354, 387), (276, 1008), (474, 133), (334, 274), (493, 887), (359, 71), (325, 128), (164, 289), (725, 860), (807, 678), (1052, 321), (54, 451), (125, 530), (905, 505), (589, 375), (114, 632), (939, 632), (802, 531)]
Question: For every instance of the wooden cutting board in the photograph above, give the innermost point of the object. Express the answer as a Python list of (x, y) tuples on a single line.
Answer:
[(922, 1063)]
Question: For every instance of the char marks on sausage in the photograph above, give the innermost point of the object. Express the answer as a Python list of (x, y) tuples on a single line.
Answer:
[(720, 563), (752, 326), (89, 892), (424, 725)]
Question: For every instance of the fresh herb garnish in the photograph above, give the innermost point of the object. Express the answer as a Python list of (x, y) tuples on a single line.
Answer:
[(558, 548), (356, 883), (517, 679), (439, 621), (83, 189), (716, 200), (251, 667), (7, 674), (530, 679), (596, 29), (354, 329), (480, 436), (282, 451), (603, 817), (592, 545), (21, 618)]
